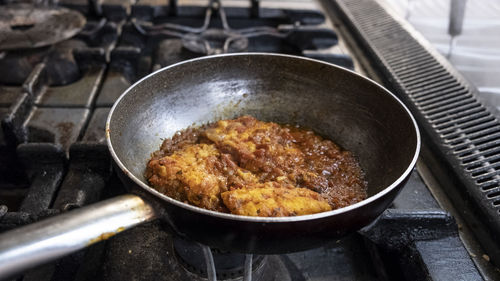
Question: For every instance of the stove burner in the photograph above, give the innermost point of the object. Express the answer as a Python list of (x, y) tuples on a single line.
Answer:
[(227, 265), (149, 252), (25, 26), (214, 41), (209, 41)]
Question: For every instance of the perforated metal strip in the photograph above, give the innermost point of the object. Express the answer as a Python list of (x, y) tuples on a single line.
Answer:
[(466, 133)]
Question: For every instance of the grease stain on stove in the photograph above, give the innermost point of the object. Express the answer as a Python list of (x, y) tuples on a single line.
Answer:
[(65, 129)]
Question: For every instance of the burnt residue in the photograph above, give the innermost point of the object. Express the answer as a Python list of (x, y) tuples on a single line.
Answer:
[(65, 129), (45, 165), (105, 236), (56, 125), (87, 176)]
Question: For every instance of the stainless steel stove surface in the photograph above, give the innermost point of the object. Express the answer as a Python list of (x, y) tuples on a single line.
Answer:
[(54, 100)]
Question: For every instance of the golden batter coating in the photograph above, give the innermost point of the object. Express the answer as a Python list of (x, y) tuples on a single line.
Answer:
[(264, 148), (271, 200), (190, 175), (249, 167)]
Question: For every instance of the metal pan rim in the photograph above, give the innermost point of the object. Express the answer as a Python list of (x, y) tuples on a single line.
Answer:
[(322, 215)]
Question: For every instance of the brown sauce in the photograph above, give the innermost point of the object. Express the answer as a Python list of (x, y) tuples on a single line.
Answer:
[(248, 167)]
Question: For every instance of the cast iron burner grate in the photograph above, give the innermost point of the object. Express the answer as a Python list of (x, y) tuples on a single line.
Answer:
[(210, 41)]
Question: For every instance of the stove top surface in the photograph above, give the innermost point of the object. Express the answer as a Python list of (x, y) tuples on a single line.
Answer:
[(54, 101)]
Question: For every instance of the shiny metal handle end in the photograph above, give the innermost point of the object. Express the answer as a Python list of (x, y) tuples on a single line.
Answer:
[(58, 236)]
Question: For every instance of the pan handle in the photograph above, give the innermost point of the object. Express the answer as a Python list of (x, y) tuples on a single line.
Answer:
[(55, 237)]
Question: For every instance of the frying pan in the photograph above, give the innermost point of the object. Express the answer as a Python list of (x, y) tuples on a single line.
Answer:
[(353, 111)]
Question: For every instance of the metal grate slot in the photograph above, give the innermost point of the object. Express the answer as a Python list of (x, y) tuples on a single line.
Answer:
[(386, 29), (494, 194), (473, 126), (444, 96), (479, 158), (476, 162), (471, 149), (489, 185), (488, 139), (438, 87), (449, 106), (472, 133), (484, 137), (430, 83), (423, 63), (465, 122), (420, 73), (403, 49), (466, 115), (443, 101), (402, 63), (452, 113), (473, 167), (495, 160), (463, 133), (397, 54), (484, 178), (484, 170)]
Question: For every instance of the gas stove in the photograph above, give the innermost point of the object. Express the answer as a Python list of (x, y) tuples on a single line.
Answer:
[(54, 100)]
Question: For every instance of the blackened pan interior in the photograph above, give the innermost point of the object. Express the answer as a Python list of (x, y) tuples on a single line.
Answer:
[(341, 105)]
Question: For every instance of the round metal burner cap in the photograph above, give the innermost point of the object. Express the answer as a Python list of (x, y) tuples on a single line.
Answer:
[(25, 26)]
